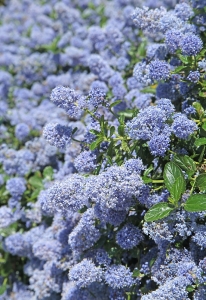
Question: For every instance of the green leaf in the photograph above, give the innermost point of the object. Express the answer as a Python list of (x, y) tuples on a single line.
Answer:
[(202, 94), (204, 126), (190, 288), (178, 69), (95, 132), (136, 273), (74, 130), (125, 146), (199, 108), (36, 182), (201, 182), (196, 202), (96, 143), (200, 142), (112, 130), (186, 163), (174, 180), (48, 173), (3, 289), (115, 103), (184, 59), (158, 211), (148, 170), (121, 130)]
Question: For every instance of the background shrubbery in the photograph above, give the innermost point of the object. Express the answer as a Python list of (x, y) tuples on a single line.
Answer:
[(102, 156)]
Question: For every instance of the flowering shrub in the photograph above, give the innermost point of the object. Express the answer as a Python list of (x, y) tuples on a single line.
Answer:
[(102, 156)]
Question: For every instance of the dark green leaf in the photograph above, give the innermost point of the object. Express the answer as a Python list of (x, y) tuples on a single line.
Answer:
[(174, 180), (196, 202), (121, 130), (186, 163), (201, 182), (200, 142), (48, 173), (158, 211), (112, 130), (95, 132), (74, 130), (96, 143), (110, 149), (115, 103)]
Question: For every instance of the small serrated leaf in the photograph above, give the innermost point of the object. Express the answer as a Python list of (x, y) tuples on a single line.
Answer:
[(158, 211)]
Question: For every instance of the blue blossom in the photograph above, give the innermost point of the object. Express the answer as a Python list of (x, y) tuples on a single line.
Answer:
[(100, 67), (159, 144), (67, 99), (142, 74), (159, 70), (167, 106), (108, 215), (172, 39), (147, 19), (21, 131), (149, 122), (57, 135), (114, 189), (191, 44), (118, 276), (84, 273), (66, 195), (47, 249), (134, 165), (7, 216), (128, 236), (16, 186), (85, 161), (194, 76), (183, 11), (96, 97), (182, 127), (172, 289), (85, 234), (200, 236)]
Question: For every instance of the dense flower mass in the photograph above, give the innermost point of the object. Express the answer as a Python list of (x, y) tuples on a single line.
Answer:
[(102, 150)]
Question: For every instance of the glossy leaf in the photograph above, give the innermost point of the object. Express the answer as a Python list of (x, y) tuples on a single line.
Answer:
[(158, 211), (174, 180), (186, 163), (201, 182), (196, 202)]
